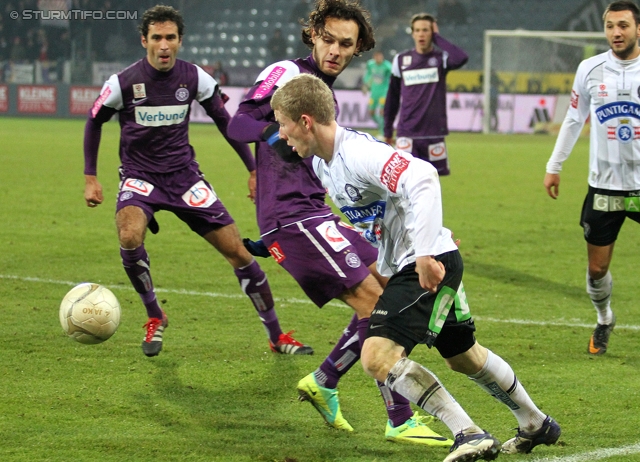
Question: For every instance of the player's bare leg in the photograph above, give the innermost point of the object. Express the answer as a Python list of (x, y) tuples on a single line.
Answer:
[(386, 361), (131, 223)]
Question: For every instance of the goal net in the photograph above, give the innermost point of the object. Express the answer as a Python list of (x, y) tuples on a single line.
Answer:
[(531, 75)]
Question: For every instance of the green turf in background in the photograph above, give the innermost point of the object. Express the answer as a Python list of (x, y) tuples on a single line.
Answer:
[(216, 393)]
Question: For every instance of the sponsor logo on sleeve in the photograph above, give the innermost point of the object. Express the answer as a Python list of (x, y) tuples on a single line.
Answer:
[(137, 186), (329, 231), (276, 252), (100, 101), (267, 84), (392, 170), (199, 195), (574, 99)]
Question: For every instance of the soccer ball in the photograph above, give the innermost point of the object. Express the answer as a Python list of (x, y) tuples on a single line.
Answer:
[(90, 313)]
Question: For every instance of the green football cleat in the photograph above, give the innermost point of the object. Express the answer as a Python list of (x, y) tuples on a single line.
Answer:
[(416, 431), (325, 400)]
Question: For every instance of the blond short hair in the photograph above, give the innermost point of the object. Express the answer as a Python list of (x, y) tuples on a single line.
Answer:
[(305, 94)]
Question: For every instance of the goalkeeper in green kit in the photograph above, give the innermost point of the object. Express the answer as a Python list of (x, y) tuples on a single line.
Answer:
[(376, 80)]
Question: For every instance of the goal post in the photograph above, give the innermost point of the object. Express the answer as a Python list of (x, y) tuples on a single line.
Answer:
[(530, 62)]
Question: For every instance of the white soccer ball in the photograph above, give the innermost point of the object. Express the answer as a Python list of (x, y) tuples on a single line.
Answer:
[(90, 313)]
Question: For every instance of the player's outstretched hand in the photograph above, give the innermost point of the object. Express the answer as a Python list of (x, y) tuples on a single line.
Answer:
[(256, 248), (92, 191), (272, 136), (552, 184)]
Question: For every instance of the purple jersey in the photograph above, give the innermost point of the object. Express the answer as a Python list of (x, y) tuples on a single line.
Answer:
[(418, 90), (154, 109), (286, 193)]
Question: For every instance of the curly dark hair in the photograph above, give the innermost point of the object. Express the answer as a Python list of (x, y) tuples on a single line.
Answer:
[(349, 10), (159, 14)]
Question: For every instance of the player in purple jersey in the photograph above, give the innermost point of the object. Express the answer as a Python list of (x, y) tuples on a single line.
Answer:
[(153, 97), (418, 89), (326, 257)]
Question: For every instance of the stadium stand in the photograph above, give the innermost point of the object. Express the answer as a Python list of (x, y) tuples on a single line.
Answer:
[(235, 33)]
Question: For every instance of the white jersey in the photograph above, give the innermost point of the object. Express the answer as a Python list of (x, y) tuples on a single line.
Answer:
[(607, 90), (392, 198)]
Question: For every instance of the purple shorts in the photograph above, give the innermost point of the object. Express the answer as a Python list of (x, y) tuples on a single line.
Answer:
[(325, 256), (185, 193), (433, 150)]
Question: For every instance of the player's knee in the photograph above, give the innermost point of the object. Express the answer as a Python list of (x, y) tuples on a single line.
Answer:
[(130, 238), (597, 270), (375, 361)]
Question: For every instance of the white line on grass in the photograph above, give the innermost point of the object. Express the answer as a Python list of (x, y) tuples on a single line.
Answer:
[(598, 454), (584, 457), (303, 301)]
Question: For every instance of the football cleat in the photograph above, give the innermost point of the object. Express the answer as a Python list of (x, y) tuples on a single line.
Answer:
[(287, 345), (475, 446), (416, 431), (152, 343), (524, 442), (600, 338), (325, 400)]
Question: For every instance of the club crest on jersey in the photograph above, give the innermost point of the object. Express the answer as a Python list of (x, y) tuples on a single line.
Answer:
[(352, 260), (329, 231), (139, 91), (406, 60), (199, 195), (624, 132), (182, 94), (136, 186), (352, 192), (433, 61)]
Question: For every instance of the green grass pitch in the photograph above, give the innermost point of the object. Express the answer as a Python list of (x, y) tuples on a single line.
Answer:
[(216, 393)]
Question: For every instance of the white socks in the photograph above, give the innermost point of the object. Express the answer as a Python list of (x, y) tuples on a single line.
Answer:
[(599, 291), (498, 379), (422, 387)]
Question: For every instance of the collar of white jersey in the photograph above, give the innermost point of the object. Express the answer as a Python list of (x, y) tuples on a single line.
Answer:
[(624, 62), (337, 142)]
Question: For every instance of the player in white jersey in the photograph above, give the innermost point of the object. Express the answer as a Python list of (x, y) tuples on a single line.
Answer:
[(394, 200), (606, 89)]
